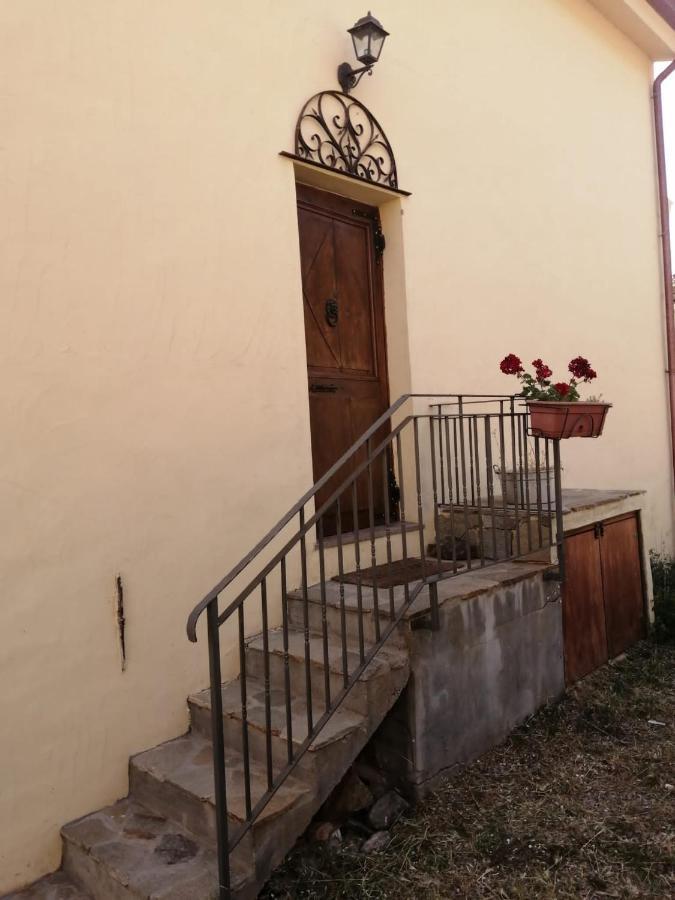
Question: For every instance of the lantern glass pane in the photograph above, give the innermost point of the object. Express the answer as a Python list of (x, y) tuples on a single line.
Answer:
[(376, 44), (362, 46)]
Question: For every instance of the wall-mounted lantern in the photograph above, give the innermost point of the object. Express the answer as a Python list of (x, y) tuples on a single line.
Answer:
[(368, 37)]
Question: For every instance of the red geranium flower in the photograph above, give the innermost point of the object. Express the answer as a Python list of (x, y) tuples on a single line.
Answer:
[(511, 365), (542, 371), (581, 368), (562, 388)]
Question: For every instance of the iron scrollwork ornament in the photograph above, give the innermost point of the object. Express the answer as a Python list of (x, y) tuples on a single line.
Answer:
[(336, 131)]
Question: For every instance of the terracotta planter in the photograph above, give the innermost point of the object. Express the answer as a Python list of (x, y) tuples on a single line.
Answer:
[(558, 419)]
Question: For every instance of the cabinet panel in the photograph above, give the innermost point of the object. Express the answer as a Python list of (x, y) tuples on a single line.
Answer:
[(583, 606), (622, 580)]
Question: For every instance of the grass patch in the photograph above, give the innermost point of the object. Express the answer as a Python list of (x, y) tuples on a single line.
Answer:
[(575, 804), (663, 577)]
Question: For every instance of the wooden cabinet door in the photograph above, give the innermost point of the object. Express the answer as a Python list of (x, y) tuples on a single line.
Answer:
[(583, 606), (622, 580), (345, 338)]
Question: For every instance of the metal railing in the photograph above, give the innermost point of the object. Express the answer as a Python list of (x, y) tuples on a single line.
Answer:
[(441, 461)]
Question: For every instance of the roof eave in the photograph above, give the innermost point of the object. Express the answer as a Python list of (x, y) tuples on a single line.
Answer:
[(648, 23)]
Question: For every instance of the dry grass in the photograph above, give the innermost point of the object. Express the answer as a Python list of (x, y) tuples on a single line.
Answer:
[(578, 803)]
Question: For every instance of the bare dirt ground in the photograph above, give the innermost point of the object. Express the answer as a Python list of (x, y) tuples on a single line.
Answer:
[(578, 803)]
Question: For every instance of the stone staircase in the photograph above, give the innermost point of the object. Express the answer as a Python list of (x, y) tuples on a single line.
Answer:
[(159, 842)]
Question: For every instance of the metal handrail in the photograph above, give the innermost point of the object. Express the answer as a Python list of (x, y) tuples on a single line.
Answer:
[(196, 613), (458, 458)]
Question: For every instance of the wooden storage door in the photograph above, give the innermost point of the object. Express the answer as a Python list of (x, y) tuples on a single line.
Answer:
[(622, 582), (583, 606), (603, 596)]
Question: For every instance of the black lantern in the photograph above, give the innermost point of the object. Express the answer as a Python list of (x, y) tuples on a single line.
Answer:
[(368, 37)]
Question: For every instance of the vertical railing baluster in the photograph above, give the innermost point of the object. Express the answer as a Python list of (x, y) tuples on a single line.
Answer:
[(440, 450), (451, 494), (401, 506), (471, 472), (387, 527), (502, 475), (357, 558), (341, 589), (515, 476), (287, 671), (244, 711), (489, 474), (560, 528), (305, 622), (218, 745), (549, 505), (324, 616), (373, 551), (521, 487), (526, 457), (479, 500), (433, 587), (434, 492), (418, 483), (266, 676), (455, 454), (465, 499), (537, 475)]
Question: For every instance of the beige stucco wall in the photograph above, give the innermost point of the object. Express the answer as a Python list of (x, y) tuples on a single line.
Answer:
[(152, 383)]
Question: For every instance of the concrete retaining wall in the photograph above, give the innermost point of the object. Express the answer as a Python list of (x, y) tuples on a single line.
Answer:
[(497, 658)]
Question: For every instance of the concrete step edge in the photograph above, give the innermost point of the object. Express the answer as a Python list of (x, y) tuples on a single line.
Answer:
[(347, 720)]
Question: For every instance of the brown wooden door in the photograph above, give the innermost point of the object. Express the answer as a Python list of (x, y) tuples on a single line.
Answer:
[(583, 606), (622, 580), (603, 598), (345, 336)]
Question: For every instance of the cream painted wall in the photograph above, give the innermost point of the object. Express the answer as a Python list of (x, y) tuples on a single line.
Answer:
[(153, 383)]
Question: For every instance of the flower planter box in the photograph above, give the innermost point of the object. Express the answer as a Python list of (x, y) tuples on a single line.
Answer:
[(557, 419)]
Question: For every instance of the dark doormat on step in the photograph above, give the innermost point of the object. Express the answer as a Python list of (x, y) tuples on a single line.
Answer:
[(402, 571)]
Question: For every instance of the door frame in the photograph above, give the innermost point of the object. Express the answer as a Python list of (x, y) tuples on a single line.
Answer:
[(338, 207)]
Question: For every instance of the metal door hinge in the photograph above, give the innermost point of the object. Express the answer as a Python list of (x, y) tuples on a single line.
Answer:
[(394, 492), (599, 530), (379, 242)]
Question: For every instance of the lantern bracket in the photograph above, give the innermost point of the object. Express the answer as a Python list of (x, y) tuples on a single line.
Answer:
[(348, 78)]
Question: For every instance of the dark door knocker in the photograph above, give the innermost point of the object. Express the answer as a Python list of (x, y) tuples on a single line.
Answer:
[(332, 312)]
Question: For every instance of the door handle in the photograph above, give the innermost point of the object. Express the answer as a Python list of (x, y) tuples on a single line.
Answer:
[(332, 312), (323, 388)]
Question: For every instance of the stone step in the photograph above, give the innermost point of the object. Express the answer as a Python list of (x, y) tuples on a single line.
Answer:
[(54, 887), (128, 852), (339, 741), (510, 532), (175, 780), (386, 674), (333, 593)]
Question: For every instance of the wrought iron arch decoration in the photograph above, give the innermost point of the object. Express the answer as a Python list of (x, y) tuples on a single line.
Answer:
[(339, 133)]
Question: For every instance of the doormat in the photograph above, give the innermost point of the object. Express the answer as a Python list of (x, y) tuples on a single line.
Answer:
[(401, 571)]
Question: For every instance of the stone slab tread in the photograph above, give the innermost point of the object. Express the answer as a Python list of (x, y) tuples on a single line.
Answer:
[(145, 854), (387, 658), (187, 763), (342, 723)]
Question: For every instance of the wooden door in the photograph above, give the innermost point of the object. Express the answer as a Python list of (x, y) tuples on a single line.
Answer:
[(622, 581), (583, 606), (345, 336)]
